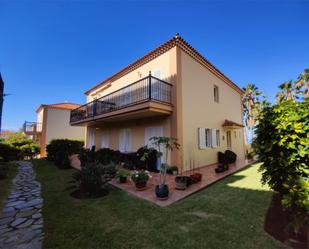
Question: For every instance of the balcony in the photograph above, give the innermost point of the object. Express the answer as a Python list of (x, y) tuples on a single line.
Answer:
[(149, 96), (32, 128)]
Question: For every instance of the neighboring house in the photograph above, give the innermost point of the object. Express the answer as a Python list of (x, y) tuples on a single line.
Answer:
[(53, 122), (171, 91)]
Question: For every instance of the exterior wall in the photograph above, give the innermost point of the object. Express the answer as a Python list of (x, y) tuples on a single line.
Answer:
[(137, 131), (58, 126), (199, 110), (193, 107), (166, 63), (162, 63)]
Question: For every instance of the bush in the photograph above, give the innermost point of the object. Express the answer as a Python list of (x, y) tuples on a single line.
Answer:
[(93, 176), (30, 150), (58, 151), (9, 153), (282, 143)]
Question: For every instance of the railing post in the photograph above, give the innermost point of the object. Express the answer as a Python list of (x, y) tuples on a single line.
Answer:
[(95, 107), (149, 86)]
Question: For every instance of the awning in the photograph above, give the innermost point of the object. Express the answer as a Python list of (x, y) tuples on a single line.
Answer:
[(231, 124)]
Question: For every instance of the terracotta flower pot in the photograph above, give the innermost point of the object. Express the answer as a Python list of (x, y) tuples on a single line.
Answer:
[(196, 177), (140, 185)]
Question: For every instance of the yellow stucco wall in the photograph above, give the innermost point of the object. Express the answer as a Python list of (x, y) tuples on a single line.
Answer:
[(199, 110), (162, 63), (58, 126)]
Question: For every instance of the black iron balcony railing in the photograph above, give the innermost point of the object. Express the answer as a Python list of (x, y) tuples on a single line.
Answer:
[(147, 89), (32, 127)]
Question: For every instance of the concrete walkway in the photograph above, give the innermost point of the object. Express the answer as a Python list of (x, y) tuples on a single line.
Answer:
[(21, 221)]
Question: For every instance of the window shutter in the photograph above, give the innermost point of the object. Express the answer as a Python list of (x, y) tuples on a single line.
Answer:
[(202, 138), (213, 138)]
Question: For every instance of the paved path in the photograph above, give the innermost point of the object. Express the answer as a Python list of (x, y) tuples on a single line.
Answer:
[(21, 221)]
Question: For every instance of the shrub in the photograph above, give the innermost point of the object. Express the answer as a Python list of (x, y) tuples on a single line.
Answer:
[(30, 150), (282, 143), (58, 151), (9, 153), (93, 176)]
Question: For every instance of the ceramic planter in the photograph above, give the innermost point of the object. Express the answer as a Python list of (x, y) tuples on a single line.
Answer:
[(140, 186), (162, 192), (181, 182), (196, 177)]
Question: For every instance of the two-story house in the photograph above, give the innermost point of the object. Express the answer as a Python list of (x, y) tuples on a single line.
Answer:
[(171, 91), (53, 123)]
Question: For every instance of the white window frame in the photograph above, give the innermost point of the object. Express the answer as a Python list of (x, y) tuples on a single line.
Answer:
[(209, 138)]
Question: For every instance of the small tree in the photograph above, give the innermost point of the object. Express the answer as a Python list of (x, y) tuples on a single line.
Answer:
[(169, 144), (282, 143)]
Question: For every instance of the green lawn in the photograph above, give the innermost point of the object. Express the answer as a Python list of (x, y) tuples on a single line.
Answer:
[(229, 214), (5, 184)]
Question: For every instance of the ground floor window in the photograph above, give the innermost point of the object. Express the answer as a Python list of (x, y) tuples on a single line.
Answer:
[(125, 140), (105, 140), (90, 138)]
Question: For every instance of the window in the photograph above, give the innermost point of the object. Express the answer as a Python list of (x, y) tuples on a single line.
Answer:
[(90, 138), (105, 140), (205, 138), (208, 137), (125, 140), (216, 93)]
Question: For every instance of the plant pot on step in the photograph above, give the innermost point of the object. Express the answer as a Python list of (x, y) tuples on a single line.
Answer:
[(181, 182), (122, 179), (196, 177), (162, 192), (140, 186)]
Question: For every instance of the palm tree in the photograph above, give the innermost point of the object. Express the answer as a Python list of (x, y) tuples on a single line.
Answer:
[(303, 83), (1, 98), (251, 106), (288, 92)]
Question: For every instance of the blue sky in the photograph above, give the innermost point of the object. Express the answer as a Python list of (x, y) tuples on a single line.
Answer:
[(52, 51)]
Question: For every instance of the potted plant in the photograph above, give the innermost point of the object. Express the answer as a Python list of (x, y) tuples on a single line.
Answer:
[(122, 175), (167, 144), (195, 177), (140, 179)]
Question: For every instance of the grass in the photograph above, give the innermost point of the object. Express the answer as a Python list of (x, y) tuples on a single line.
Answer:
[(229, 214), (5, 184)]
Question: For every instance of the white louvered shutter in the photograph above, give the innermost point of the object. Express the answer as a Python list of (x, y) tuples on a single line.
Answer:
[(202, 138)]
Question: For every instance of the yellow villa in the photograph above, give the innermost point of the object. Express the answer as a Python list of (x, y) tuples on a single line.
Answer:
[(52, 123), (171, 91)]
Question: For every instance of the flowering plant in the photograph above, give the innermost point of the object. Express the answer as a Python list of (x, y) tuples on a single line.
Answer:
[(140, 176)]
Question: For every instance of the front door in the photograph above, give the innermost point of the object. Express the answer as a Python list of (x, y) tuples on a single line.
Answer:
[(229, 140)]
